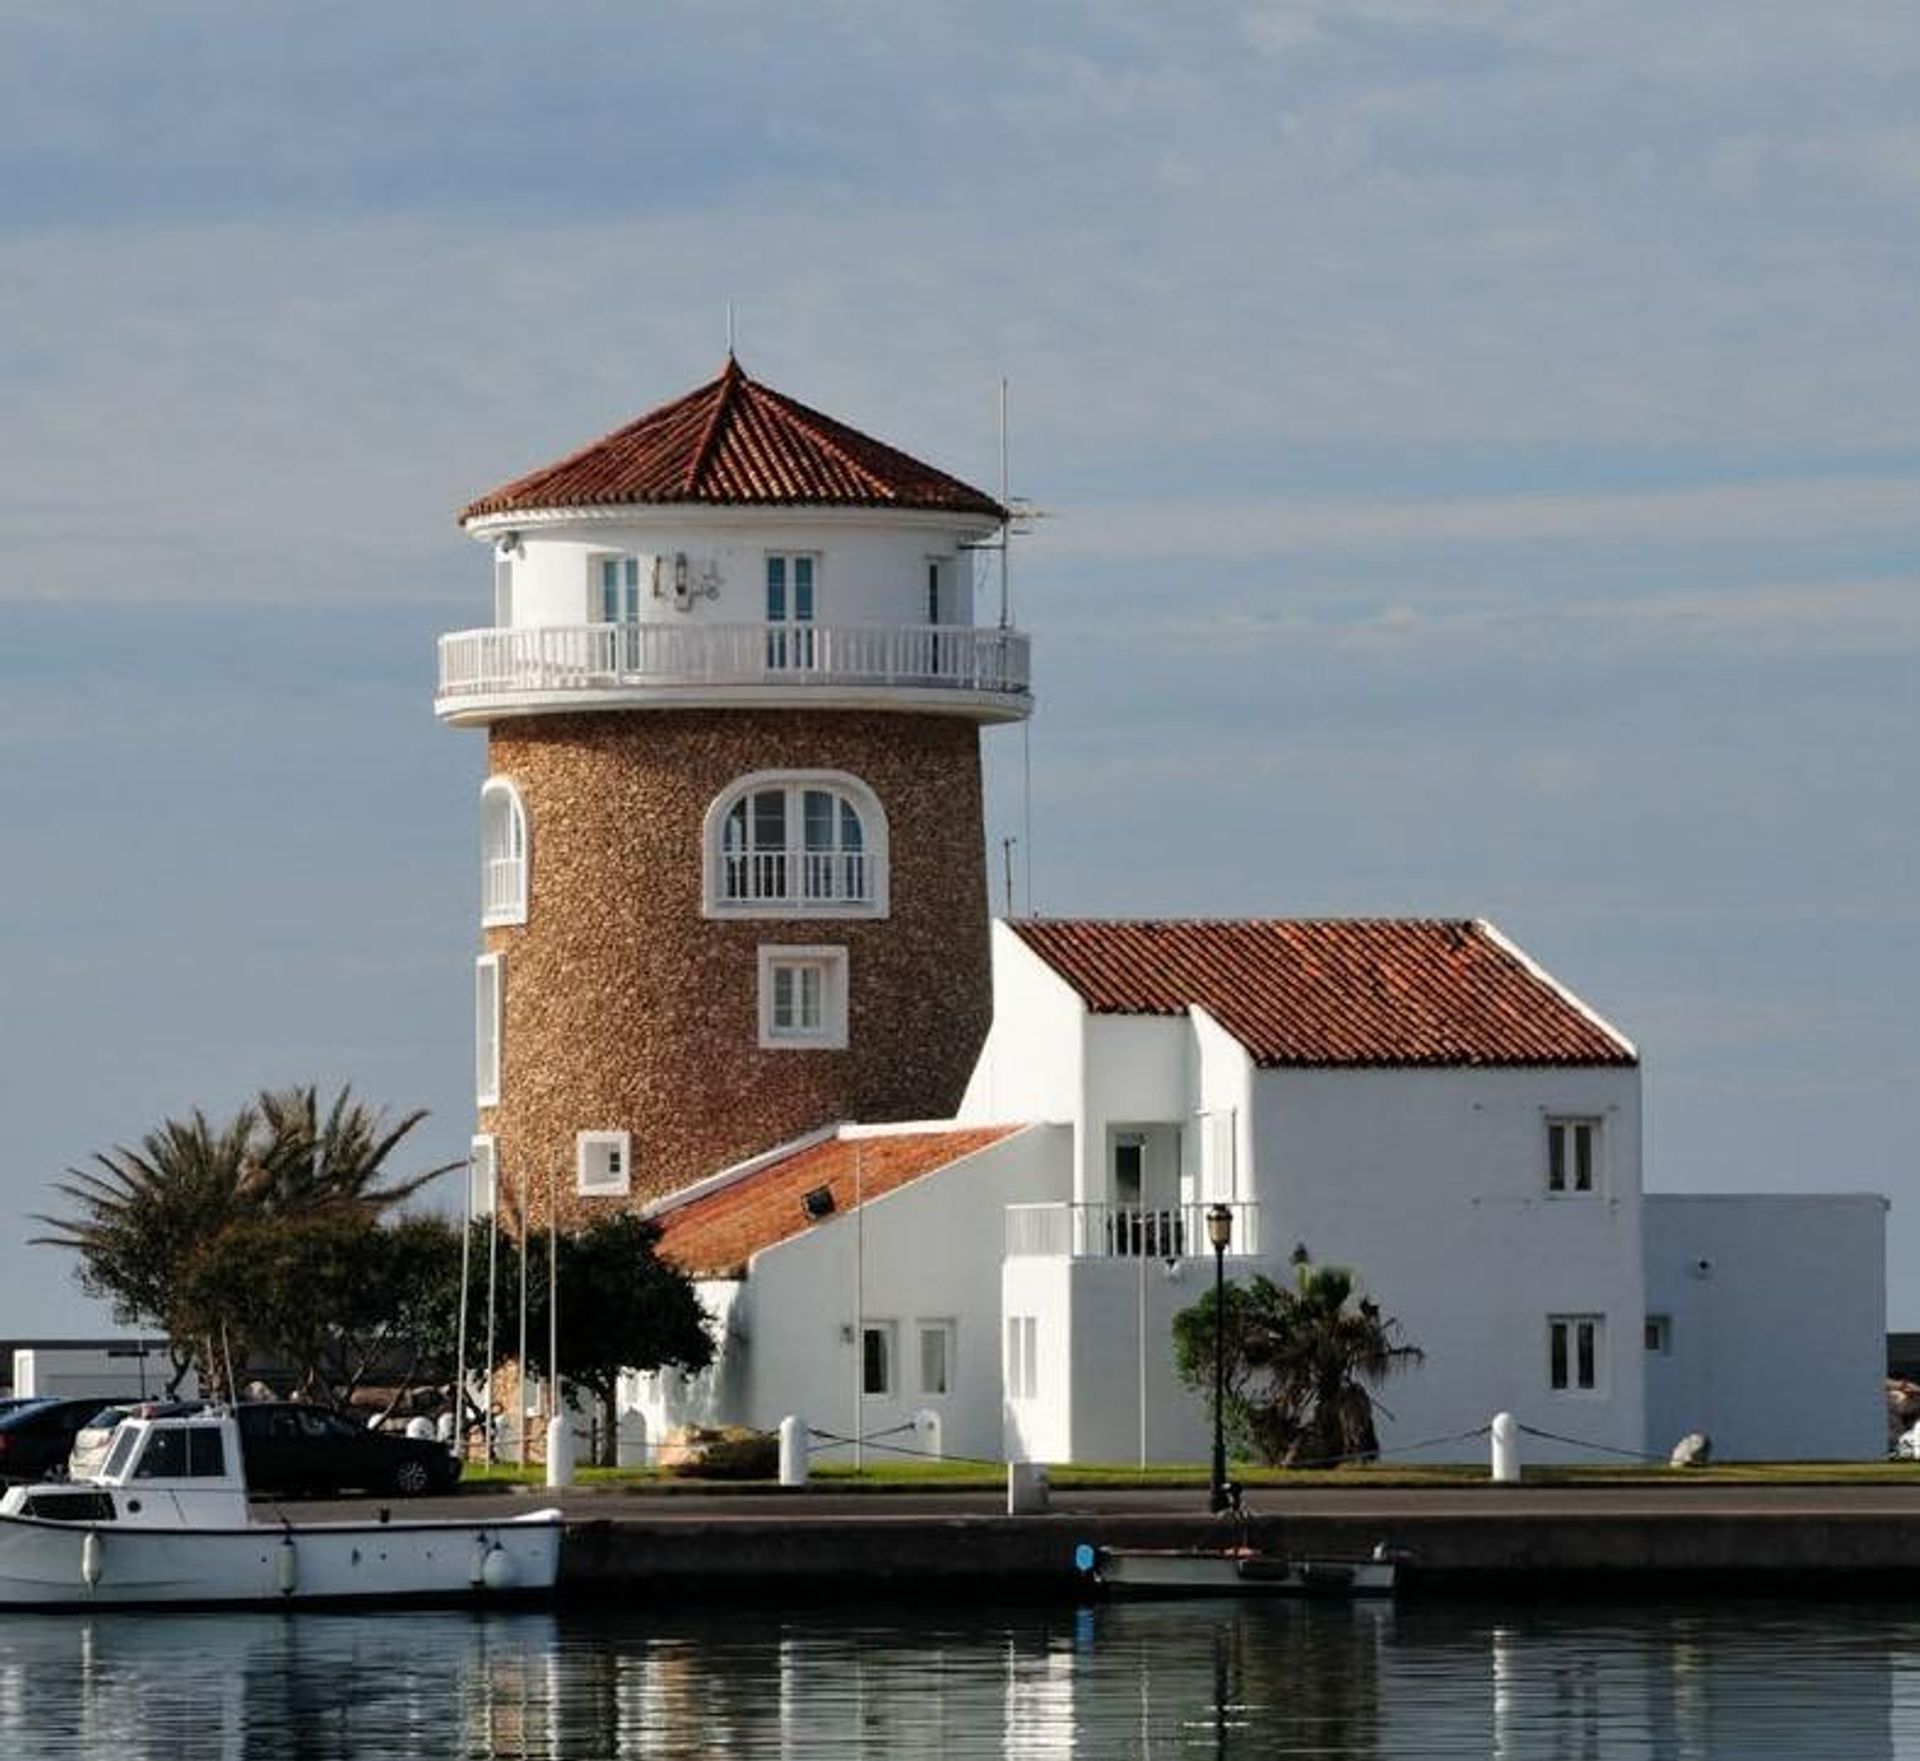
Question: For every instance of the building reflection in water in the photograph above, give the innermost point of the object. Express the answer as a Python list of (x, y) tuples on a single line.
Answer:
[(1433, 1678)]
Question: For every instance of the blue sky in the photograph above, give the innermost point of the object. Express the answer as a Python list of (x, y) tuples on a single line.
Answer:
[(1479, 443)]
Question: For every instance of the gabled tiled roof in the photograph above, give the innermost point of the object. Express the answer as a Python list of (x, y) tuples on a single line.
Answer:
[(716, 1233), (739, 443), (1335, 992)]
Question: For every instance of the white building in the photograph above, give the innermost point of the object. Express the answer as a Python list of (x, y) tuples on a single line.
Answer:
[(733, 895), (1415, 1099)]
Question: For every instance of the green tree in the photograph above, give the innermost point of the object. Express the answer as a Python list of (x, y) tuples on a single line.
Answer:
[(1302, 1364), (138, 1216), (622, 1307), (335, 1296)]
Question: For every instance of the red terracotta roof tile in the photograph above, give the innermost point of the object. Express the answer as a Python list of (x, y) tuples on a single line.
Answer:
[(1334, 992), (737, 442), (715, 1234)]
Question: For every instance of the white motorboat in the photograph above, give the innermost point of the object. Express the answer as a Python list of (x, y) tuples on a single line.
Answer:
[(166, 1523), (1234, 1571)]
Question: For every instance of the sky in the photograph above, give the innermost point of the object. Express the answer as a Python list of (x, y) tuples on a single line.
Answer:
[(1477, 445)]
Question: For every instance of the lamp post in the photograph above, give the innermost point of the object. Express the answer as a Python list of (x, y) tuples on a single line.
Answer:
[(1220, 1233)]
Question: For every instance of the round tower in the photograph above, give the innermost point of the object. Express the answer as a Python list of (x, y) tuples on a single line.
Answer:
[(733, 875)]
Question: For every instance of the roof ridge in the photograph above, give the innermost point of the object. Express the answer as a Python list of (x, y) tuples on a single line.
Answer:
[(732, 377)]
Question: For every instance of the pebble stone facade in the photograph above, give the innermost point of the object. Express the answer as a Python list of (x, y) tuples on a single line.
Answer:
[(627, 1009)]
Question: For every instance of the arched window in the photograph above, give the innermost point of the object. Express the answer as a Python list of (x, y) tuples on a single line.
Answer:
[(503, 853), (796, 843)]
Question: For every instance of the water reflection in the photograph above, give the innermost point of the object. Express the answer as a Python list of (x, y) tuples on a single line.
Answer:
[(1198, 1679)]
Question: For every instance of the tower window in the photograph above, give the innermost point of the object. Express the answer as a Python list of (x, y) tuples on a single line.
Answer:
[(486, 1029), (483, 1175), (503, 854), (602, 1164), (803, 998), (796, 843)]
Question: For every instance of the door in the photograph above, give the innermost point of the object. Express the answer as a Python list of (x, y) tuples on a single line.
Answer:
[(790, 580), (620, 607)]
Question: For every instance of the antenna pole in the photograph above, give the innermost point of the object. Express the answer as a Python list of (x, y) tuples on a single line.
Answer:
[(1006, 531)]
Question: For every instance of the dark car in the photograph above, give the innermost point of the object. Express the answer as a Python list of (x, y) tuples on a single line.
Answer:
[(294, 1448), (37, 1437)]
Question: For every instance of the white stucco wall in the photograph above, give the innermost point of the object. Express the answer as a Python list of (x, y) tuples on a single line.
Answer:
[(1431, 1184), (928, 1251), (1777, 1314), (871, 568), (1032, 1062), (1137, 1075)]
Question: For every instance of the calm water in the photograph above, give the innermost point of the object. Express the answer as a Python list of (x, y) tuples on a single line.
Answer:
[(1427, 1679)]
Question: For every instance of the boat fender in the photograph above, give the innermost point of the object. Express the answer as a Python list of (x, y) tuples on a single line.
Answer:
[(498, 1573), (477, 1566), (92, 1558), (1085, 1557), (286, 1566)]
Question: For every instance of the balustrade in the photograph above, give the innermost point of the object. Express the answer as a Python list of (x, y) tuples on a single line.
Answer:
[(610, 657)]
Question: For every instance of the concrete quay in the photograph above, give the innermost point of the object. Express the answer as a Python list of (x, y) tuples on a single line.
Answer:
[(1836, 1539)]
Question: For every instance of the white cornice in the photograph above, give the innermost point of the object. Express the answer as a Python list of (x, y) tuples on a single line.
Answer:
[(721, 516)]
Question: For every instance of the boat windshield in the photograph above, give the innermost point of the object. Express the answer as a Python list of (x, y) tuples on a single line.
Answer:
[(122, 1451), (179, 1452)]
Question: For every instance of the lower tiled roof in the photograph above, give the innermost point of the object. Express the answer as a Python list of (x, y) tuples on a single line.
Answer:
[(1331, 991), (715, 1234)]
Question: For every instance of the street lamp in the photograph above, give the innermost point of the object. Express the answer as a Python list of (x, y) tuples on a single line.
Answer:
[(1220, 1233)]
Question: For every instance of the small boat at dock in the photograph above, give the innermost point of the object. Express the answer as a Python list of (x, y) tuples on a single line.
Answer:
[(165, 1523), (1234, 1571)]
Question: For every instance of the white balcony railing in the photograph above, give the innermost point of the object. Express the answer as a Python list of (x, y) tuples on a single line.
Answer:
[(560, 659), (826, 877), (1123, 1232)]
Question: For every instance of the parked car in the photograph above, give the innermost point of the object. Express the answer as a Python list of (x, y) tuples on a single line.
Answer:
[(95, 1437), (294, 1448), (37, 1438)]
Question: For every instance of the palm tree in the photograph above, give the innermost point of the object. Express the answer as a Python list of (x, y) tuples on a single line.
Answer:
[(309, 1163), (1302, 1363), (1320, 1355), (139, 1216)]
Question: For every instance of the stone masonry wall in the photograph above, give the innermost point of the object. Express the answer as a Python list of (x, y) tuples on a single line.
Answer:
[(626, 1009)]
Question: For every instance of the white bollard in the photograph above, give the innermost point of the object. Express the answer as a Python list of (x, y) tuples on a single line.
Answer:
[(1506, 1449), (793, 1450), (1026, 1488), (559, 1452), (926, 1433), (630, 1438)]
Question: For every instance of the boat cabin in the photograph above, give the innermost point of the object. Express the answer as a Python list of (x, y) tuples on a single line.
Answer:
[(182, 1471)]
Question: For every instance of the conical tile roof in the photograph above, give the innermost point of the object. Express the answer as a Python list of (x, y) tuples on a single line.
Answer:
[(736, 442)]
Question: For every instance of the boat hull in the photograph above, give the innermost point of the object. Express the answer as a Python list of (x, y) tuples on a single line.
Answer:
[(73, 1565), (1144, 1571)]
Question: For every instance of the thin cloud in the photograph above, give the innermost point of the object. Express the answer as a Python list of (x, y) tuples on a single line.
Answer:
[(1728, 513)]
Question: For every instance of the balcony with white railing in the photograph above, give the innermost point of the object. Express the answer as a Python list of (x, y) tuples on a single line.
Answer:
[(1123, 1232), (945, 669)]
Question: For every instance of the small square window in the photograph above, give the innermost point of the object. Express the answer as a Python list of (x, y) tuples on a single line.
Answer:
[(876, 1358), (601, 1160), (803, 998), (1660, 1334), (1576, 1354), (1573, 1156)]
